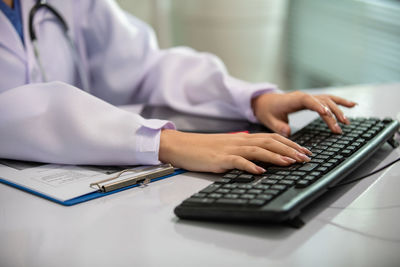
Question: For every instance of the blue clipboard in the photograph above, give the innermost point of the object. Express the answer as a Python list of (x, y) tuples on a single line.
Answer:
[(85, 197)]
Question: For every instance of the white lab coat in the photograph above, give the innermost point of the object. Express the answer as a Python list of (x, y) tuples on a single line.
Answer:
[(59, 123)]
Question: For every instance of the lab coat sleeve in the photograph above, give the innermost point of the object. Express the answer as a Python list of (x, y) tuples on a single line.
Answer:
[(58, 123), (127, 66)]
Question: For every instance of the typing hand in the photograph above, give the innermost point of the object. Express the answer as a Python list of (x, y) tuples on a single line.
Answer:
[(221, 152), (273, 109)]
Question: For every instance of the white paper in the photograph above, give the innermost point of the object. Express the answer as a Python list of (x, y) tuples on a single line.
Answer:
[(62, 182)]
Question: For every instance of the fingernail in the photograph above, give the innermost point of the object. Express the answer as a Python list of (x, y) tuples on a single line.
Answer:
[(288, 160), (346, 120), (260, 170), (337, 128), (284, 133), (303, 157), (306, 150)]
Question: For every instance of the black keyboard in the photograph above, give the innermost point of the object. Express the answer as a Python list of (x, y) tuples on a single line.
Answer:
[(281, 193)]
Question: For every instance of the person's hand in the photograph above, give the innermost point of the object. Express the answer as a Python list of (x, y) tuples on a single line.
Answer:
[(273, 109), (221, 152)]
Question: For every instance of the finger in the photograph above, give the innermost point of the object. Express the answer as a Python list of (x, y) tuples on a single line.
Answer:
[(283, 140), (341, 101), (292, 144), (312, 103), (337, 111), (282, 149), (330, 120), (323, 110), (240, 163), (260, 154), (279, 126)]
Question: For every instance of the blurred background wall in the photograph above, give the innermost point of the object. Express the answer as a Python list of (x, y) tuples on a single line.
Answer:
[(294, 43)]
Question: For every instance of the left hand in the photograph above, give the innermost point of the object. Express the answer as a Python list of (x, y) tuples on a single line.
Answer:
[(273, 109)]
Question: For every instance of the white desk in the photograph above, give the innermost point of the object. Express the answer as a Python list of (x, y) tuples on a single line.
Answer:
[(352, 226)]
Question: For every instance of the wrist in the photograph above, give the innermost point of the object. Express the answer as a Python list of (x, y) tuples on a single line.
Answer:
[(167, 144), (256, 102)]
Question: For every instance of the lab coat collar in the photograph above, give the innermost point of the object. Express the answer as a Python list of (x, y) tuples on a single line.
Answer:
[(10, 38)]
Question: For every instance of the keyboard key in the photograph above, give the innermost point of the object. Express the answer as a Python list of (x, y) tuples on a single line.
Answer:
[(339, 157), (238, 191), (247, 196), (333, 161), (360, 140), (211, 188), (328, 165), (230, 176), (229, 186), (302, 183), (269, 182), (322, 169), (316, 151), (317, 161), (367, 136), (244, 178), (230, 201), (283, 173), (195, 200), (223, 181), (230, 195), (352, 148), (254, 191), (346, 152), (265, 196), (309, 166), (280, 187), (245, 186), (292, 177), (236, 172), (271, 192), (262, 186), (223, 190), (310, 178), (215, 195), (199, 195), (287, 182), (257, 202), (276, 177)]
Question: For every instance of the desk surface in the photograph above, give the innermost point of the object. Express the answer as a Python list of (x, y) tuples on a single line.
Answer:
[(352, 226)]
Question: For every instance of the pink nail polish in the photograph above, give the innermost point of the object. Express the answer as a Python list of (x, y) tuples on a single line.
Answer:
[(288, 160), (303, 157), (346, 120), (284, 133), (259, 169), (306, 150), (337, 128)]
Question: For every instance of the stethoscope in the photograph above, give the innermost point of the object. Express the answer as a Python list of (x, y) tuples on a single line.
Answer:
[(42, 4)]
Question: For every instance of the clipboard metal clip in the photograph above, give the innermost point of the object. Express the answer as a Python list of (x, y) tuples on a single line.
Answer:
[(141, 176)]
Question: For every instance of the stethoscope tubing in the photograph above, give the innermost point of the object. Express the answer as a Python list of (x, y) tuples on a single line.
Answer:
[(42, 4)]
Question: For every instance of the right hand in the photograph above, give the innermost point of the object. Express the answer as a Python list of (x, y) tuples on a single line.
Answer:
[(221, 152)]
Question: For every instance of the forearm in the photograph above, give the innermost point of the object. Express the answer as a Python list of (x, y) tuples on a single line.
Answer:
[(58, 123)]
